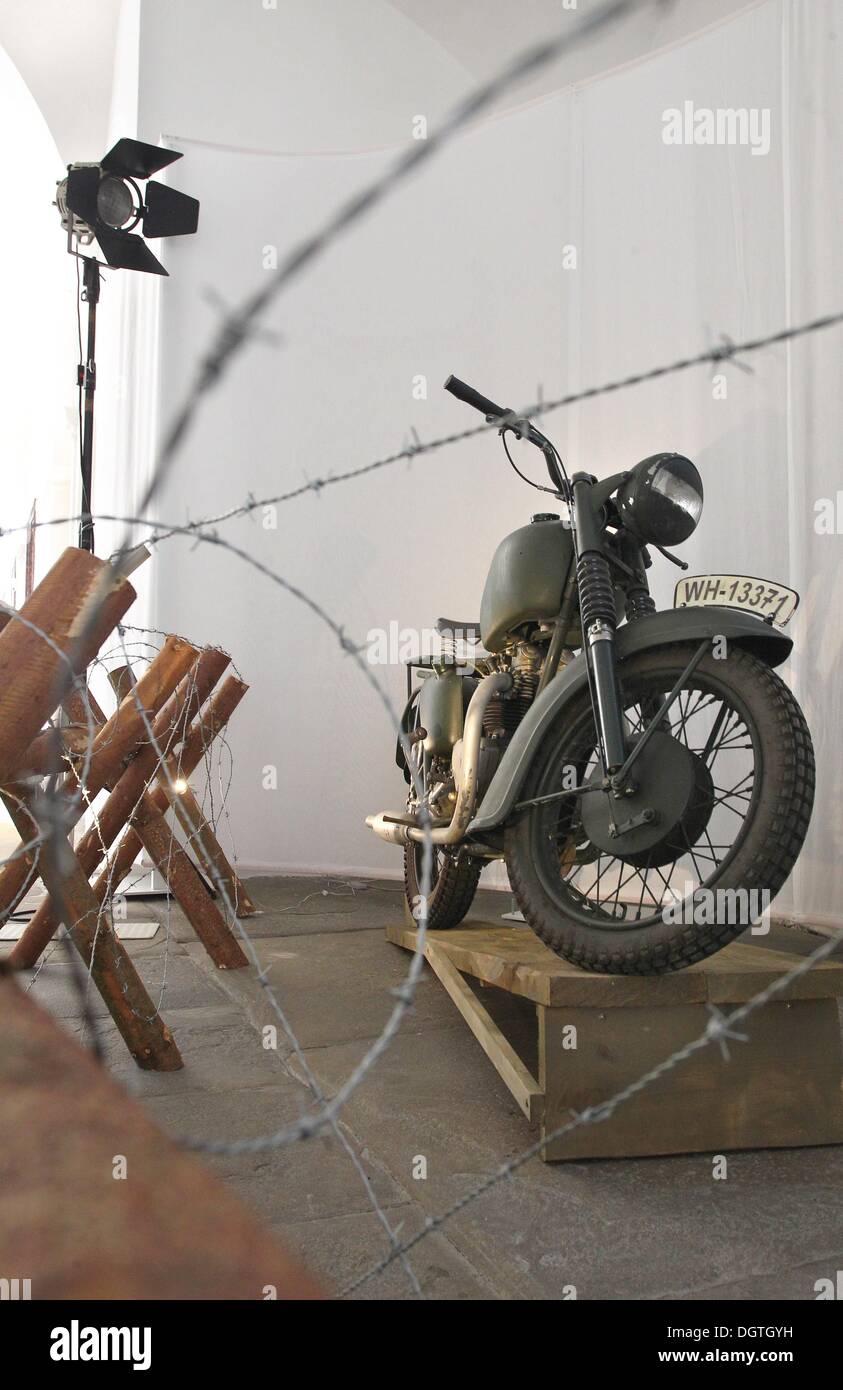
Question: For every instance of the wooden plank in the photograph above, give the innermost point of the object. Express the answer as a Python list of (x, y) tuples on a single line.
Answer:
[(501, 1054), (779, 1089), (513, 958)]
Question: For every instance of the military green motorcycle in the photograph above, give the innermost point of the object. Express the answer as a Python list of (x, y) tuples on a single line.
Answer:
[(647, 776)]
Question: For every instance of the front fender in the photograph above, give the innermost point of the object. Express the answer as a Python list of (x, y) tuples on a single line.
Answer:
[(655, 630)]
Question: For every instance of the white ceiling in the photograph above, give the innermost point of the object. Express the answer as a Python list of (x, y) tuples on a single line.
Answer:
[(64, 49), (482, 34)]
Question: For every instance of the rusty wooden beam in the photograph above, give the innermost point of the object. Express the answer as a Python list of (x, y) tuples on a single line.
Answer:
[(175, 866), (201, 839), (76, 604), (127, 790), (114, 742), (185, 884), (47, 752), (204, 843), (185, 804), (76, 705), (120, 735), (169, 1230), (122, 680), (143, 1030), (204, 730), (211, 721)]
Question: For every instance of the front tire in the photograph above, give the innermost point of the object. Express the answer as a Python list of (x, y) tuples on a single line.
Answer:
[(552, 863)]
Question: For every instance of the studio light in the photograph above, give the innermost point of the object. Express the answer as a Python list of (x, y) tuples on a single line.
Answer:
[(103, 203)]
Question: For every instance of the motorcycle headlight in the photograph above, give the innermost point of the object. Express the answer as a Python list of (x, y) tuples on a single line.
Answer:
[(662, 499)]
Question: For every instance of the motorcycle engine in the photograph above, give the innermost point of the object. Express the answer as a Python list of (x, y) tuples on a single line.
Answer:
[(505, 712), (502, 717)]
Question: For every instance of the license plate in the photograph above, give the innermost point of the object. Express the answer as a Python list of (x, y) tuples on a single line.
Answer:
[(761, 596)]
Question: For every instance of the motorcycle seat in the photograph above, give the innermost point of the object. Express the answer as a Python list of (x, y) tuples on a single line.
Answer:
[(468, 631)]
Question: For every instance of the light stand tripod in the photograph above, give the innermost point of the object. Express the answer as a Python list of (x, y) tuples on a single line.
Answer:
[(103, 202), (87, 380)]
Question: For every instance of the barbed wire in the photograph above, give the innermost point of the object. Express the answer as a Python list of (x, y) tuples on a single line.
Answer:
[(727, 351), (234, 922), (238, 326), (160, 529), (312, 1123), (235, 329), (52, 808), (721, 1029), (328, 1112)]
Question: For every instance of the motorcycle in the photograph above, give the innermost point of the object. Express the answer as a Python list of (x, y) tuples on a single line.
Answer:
[(645, 775)]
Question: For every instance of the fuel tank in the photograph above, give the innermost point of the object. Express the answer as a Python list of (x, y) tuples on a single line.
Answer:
[(527, 575)]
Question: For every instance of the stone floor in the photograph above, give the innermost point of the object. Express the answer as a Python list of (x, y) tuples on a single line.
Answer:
[(656, 1228)]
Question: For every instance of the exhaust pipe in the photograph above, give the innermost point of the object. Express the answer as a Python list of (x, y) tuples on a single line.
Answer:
[(392, 826), (388, 827)]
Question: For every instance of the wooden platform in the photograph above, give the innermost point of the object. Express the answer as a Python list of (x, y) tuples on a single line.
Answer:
[(598, 1033)]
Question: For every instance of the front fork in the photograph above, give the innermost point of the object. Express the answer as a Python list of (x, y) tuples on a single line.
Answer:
[(598, 615)]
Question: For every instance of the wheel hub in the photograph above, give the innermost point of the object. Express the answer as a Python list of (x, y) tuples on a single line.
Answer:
[(663, 817)]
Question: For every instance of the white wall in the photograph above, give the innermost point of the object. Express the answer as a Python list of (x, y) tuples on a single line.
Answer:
[(462, 271), (39, 447), (392, 286)]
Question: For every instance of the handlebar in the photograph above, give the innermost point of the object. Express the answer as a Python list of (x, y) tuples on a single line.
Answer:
[(464, 392), (524, 428)]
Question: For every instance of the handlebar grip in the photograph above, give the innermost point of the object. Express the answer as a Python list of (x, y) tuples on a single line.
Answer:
[(466, 393)]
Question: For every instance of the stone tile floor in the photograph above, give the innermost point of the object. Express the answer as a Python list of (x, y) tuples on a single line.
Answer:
[(622, 1229)]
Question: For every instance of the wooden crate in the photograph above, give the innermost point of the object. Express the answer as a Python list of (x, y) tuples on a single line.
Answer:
[(780, 1088)]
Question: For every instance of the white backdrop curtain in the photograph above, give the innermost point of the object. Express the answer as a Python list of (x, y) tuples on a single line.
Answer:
[(463, 271)]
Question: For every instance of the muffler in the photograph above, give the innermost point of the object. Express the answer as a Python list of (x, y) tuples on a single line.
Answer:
[(397, 828), (388, 826)]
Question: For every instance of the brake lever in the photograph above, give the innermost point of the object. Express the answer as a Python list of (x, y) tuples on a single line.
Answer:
[(674, 559)]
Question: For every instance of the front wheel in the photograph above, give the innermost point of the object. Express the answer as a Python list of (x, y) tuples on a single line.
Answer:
[(652, 882)]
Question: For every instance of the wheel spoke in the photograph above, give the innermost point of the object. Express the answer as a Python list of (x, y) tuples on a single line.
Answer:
[(644, 885), (705, 723)]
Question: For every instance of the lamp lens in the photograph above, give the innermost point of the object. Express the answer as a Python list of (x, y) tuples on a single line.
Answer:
[(663, 499), (681, 492), (115, 204)]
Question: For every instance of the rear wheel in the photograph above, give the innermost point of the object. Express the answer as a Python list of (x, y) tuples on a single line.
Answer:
[(671, 874), (454, 876), (452, 886)]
